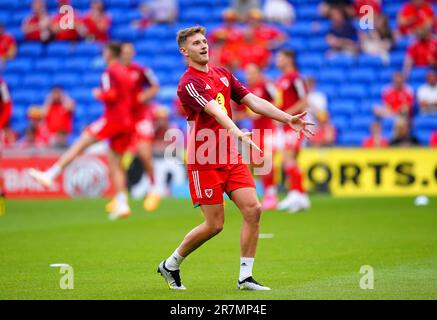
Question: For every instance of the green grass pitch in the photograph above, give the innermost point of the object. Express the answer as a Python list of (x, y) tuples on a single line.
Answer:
[(314, 255)]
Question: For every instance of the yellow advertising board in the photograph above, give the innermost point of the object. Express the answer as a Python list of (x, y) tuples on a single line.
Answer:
[(371, 172)]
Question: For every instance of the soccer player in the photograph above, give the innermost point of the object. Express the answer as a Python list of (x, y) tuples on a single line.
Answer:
[(205, 92), (146, 86), (115, 125), (258, 85), (292, 99), (5, 115)]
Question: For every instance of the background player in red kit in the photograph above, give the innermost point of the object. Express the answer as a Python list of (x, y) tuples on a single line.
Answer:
[(146, 86), (205, 93), (259, 86), (291, 98), (5, 115), (115, 125)]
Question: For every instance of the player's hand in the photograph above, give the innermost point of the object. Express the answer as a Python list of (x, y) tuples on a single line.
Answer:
[(300, 125), (246, 137)]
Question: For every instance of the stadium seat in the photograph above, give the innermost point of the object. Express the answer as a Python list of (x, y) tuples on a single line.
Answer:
[(355, 91), (37, 81), (362, 123), (48, 65), (59, 49), (363, 75), (332, 75), (352, 138), (31, 49), (343, 106), (19, 65)]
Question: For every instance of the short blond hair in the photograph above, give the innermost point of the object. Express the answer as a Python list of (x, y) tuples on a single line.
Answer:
[(184, 34)]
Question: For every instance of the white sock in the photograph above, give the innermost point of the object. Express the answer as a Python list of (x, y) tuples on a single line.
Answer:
[(53, 171), (174, 261), (246, 265), (121, 198)]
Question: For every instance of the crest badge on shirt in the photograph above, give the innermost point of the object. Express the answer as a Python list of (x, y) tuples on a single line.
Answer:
[(208, 193), (225, 81)]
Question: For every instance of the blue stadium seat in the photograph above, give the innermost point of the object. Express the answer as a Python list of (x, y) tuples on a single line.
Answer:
[(340, 61), (310, 60), (77, 64), (82, 96), (31, 49), (362, 123), (363, 75), (355, 91), (124, 33), (87, 49), (346, 107), (12, 79), (423, 136), (340, 122), (418, 74), (317, 44), (332, 75), (36, 81), (365, 60), (66, 80), (25, 97), (59, 49), (425, 122), (48, 65), (352, 138), (91, 79), (19, 65)]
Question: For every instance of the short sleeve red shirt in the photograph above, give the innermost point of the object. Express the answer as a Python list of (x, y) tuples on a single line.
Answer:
[(396, 98), (59, 119), (374, 4), (142, 78), (290, 89), (6, 42), (117, 82), (262, 90), (91, 24), (419, 14), (5, 104), (423, 53), (195, 90), (66, 35)]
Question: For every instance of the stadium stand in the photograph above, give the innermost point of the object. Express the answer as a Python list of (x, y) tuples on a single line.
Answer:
[(353, 84)]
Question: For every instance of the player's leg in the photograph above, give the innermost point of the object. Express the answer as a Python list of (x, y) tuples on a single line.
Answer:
[(213, 224), (296, 198), (145, 152), (241, 189), (119, 144), (206, 189), (247, 201), (270, 198), (47, 177)]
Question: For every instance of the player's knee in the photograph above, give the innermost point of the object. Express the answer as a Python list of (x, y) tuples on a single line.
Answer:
[(216, 227), (252, 213)]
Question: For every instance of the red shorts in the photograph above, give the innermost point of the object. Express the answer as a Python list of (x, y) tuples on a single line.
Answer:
[(119, 136), (265, 143), (207, 186), (143, 129), (291, 140)]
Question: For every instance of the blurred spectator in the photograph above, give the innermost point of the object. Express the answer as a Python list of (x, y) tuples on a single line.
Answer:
[(243, 7), (5, 111), (249, 51), (317, 100), (398, 98), (423, 52), (36, 134), (361, 9), (279, 11), (36, 26), (414, 15), (376, 139), (433, 140), (380, 40), (345, 6), (427, 94), (402, 136), (8, 47), (342, 35), (227, 35), (8, 137), (96, 22), (265, 33), (58, 116), (324, 133), (157, 11), (63, 34)]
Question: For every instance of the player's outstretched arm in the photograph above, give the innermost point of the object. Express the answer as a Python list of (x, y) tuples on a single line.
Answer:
[(265, 108), (214, 110)]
